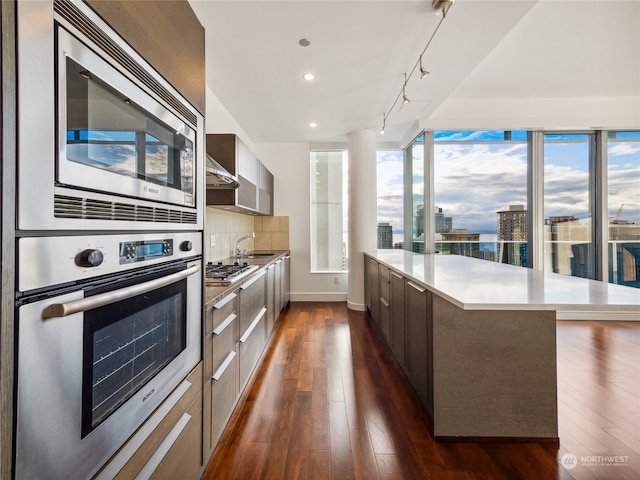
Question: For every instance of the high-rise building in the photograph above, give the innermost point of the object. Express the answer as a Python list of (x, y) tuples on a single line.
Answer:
[(512, 235), (512, 224), (444, 224), (419, 221), (385, 235)]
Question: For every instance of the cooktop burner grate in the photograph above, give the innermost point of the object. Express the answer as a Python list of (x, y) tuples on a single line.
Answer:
[(224, 274)]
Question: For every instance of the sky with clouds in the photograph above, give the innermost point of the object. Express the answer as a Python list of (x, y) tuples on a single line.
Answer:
[(481, 176)]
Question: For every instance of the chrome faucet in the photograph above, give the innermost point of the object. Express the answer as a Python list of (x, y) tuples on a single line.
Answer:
[(236, 251)]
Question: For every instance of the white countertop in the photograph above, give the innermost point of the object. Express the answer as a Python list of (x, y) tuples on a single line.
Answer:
[(474, 284)]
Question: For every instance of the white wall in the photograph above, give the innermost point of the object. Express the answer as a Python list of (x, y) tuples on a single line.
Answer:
[(290, 165), (536, 114)]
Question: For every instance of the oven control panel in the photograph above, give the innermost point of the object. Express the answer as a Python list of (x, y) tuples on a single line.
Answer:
[(47, 261), (131, 252)]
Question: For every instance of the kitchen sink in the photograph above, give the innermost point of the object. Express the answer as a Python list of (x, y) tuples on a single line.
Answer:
[(259, 255)]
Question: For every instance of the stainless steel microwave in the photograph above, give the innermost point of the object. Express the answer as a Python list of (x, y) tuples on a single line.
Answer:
[(105, 143)]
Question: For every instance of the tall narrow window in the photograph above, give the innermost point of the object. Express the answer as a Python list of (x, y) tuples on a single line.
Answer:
[(568, 229), (480, 194), (329, 220), (623, 173), (390, 198), (415, 159)]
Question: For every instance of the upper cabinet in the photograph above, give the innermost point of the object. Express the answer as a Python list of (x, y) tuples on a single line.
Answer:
[(168, 35), (255, 193)]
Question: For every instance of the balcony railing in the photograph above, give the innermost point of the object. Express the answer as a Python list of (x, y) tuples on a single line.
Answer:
[(624, 256), (513, 253)]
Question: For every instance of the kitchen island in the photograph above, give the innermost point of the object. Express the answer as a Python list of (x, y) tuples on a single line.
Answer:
[(477, 339)]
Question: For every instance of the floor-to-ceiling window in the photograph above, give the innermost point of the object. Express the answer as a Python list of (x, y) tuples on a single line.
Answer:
[(568, 205), (623, 205), (329, 212), (480, 194), (390, 193), (416, 202)]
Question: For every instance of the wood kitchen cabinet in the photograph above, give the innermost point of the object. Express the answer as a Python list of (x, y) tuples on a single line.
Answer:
[(403, 312), (419, 335), (255, 193), (397, 322), (221, 387), (167, 27), (168, 444), (371, 288), (236, 329), (253, 325), (384, 308)]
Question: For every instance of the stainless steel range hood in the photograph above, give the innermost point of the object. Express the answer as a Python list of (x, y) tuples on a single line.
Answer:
[(218, 177)]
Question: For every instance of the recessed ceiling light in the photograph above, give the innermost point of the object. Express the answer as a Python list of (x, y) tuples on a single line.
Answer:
[(313, 124), (308, 76)]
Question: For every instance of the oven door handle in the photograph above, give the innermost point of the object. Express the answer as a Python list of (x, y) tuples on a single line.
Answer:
[(107, 298)]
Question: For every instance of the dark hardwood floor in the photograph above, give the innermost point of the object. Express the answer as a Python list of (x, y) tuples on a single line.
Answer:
[(330, 402)]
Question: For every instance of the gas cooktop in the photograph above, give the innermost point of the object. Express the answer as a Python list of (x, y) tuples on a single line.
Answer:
[(226, 274)]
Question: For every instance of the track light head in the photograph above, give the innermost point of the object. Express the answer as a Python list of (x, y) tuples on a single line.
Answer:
[(442, 6), (423, 71), (405, 99)]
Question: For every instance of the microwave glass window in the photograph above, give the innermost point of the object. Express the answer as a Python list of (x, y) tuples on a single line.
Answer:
[(109, 131), (126, 344)]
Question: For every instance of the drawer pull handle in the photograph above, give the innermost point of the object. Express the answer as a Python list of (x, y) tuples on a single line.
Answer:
[(224, 301), (384, 302), (227, 361), (155, 460), (253, 280), (227, 321), (417, 287), (396, 275), (246, 335)]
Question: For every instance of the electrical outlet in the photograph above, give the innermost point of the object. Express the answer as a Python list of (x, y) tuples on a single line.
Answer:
[(336, 280), (213, 240)]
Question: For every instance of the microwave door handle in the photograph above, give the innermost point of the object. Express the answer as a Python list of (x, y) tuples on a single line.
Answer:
[(107, 298)]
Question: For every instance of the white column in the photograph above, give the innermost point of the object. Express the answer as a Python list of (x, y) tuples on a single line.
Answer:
[(362, 210)]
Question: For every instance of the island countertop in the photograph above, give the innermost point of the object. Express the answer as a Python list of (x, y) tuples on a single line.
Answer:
[(474, 284)]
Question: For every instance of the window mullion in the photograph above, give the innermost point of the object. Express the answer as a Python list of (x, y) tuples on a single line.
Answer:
[(535, 200)]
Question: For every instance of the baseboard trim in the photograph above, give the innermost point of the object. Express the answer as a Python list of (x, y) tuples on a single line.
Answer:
[(447, 439), (599, 316), (358, 307), (318, 297)]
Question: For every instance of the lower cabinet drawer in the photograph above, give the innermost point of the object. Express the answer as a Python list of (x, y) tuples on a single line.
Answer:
[(251, 345), (180, 455), (176, 426), (223, 389)]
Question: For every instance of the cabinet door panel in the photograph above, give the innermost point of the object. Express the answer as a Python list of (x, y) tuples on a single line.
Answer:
[(183, 459), (397, 327), (416, 336)]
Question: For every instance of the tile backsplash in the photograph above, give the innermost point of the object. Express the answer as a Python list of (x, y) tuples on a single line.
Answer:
[(223, 228)]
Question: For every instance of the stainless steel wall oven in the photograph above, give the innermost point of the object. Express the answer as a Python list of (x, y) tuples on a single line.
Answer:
[(108, 326), (110, 212), (105, 141)]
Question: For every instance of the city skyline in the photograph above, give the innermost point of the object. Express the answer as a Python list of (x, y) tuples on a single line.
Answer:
[(466, 169)]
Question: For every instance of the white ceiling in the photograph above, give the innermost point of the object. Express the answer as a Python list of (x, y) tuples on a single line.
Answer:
[(361, 49)]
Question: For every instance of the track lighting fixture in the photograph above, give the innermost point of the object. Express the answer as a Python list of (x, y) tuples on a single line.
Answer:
[(423, 72), (405, 99), (441, 7)]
